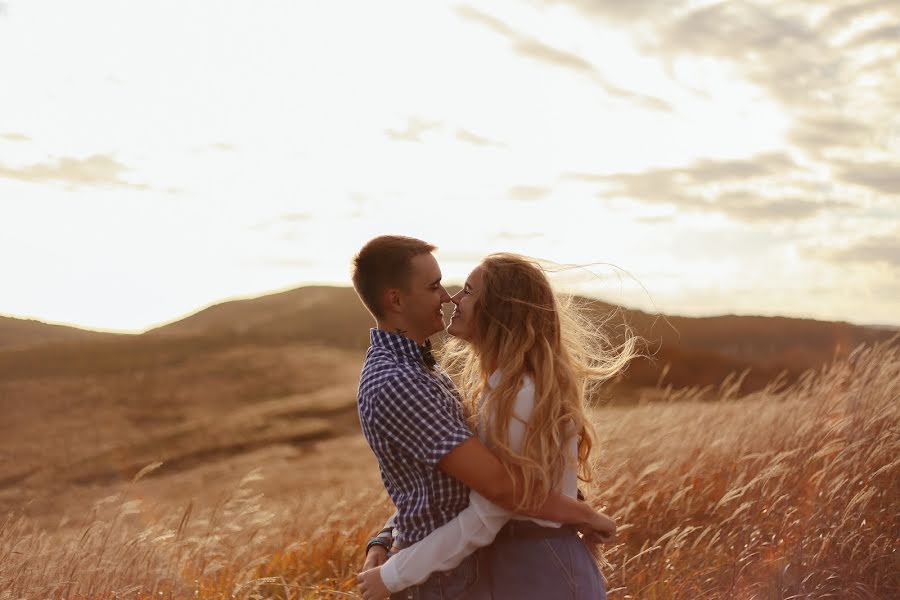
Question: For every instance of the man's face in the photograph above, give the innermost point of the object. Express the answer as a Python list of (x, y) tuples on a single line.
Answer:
[(424, 296)]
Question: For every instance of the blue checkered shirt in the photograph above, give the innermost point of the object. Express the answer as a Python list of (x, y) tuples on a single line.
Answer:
[(412, 418)]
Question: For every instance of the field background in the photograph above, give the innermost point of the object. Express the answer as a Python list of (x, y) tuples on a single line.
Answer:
[(220, 456)]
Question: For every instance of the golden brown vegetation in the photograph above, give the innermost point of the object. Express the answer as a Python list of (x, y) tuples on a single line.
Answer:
[(790, 492)]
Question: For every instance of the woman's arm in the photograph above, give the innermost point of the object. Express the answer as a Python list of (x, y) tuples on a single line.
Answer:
[(565, 509), (474, 527), (445, 547)]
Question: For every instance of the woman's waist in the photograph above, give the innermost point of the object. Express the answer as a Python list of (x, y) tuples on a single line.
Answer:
[(533, 529)]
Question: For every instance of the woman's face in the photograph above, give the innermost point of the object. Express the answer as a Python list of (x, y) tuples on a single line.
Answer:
[(462, 323)]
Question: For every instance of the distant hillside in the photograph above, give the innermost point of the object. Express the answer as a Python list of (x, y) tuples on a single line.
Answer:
[(684, 351), (328, 315), (20, 333), (769, 341), (692, 350)]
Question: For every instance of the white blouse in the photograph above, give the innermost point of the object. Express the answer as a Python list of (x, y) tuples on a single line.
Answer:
[(478, 524)]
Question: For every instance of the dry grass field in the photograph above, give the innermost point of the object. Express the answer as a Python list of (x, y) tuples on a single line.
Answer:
[(791, 491)]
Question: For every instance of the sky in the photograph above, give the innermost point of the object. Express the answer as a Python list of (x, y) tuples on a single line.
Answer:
[(694, 158)]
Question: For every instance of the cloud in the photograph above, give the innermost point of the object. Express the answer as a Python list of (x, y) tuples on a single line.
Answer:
[(530, 47), (816, 134), (619, 12), (831, 66), (700, 172), (880, 248), (745, 206), (881, 177), (95, 170), (729, 187), (886, 35), (799, 61), (467, 136), (528, 193), (842, 16), (768, 164), (15, 137), (415, 129)]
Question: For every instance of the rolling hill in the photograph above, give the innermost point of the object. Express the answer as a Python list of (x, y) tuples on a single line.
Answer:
[(86, 408), (21, 333), (691, 350), (698, 350)]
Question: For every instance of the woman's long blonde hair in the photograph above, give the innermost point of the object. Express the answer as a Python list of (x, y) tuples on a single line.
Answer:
[(523, 327)]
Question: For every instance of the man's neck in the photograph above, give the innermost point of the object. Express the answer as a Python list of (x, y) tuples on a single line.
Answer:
[(400, 329)]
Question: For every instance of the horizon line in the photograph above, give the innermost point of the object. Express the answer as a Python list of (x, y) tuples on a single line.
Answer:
[(273, 292)]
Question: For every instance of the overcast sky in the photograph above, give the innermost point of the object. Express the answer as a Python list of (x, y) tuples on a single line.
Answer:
[(724, 157)]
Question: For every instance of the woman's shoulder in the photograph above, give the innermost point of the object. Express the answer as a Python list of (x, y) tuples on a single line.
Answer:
[(524, 403), (525, 397)]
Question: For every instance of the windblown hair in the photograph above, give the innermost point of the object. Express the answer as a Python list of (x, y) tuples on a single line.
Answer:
[(523, 327), (385, 262)]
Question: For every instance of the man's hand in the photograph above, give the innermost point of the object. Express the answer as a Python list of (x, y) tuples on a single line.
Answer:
[(371, 585), (375, 557)]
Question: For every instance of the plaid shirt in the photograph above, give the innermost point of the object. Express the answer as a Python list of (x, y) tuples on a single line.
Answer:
[(412, 418)]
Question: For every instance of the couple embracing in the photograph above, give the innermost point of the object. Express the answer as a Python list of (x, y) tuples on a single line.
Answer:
[(484, 477)]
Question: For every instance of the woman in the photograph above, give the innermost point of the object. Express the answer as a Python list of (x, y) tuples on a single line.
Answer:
[(523, 363)]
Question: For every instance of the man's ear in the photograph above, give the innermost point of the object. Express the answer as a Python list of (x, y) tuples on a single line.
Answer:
[(393, 300)]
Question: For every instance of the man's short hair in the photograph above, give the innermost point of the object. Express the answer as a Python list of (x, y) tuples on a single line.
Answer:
[(385, 262)]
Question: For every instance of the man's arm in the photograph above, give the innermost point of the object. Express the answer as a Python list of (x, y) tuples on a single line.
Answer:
[(475, 465)]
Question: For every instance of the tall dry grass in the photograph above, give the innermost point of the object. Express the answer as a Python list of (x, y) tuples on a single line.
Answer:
[(792, 492)]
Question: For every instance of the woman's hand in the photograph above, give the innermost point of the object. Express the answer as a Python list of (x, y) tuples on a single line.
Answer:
[(600, 529), (371, 585)]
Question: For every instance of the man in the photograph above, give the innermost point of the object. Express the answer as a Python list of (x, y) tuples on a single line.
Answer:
[(411, 415)]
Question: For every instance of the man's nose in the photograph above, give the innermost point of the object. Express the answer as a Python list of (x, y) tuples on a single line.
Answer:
[(445, 297), (455, 297)]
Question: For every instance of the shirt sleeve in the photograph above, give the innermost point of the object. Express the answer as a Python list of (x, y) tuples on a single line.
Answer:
[(425, 424), (390, 523), (475, 526), (445, 547)]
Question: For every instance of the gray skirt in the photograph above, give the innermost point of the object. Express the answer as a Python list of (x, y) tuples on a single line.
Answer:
[(514, 568), (542, 569)]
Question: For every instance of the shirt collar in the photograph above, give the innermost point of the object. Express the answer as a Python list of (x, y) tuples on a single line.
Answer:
[(399, 345)]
